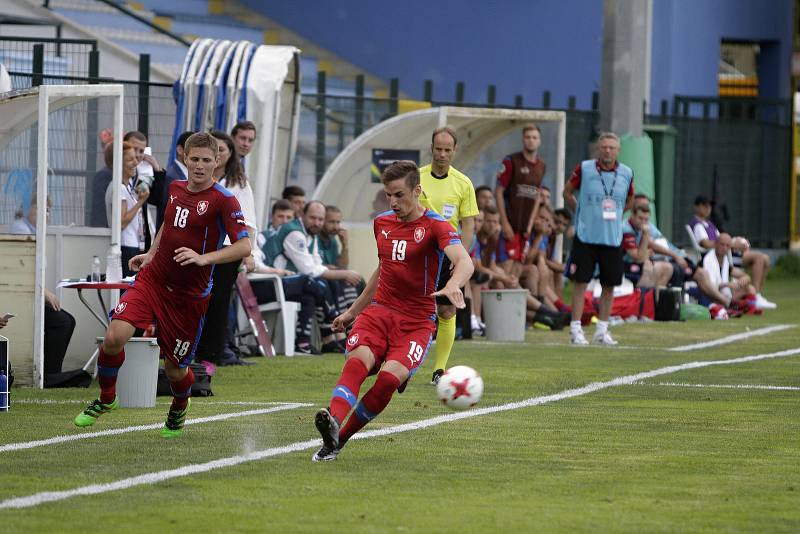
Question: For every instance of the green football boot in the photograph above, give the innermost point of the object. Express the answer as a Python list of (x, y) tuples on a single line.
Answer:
[(88, 416), (173, 427)]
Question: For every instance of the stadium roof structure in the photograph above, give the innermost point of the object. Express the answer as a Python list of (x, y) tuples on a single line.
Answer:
[(19, 110), (352, 180)]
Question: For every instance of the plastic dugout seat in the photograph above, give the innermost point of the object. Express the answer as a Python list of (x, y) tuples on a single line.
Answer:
[(280, 315)]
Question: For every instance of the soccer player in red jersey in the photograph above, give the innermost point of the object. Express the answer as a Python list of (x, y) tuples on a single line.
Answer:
[(396, 311), (174, 282)]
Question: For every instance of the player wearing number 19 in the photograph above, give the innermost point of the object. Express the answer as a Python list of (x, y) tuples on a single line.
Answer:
[(397, 309), (174, 282)]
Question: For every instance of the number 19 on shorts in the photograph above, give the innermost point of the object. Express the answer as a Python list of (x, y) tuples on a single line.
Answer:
[(415, 353)]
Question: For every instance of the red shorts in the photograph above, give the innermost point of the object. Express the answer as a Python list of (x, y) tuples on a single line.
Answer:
[(391, 335), (180, 319)]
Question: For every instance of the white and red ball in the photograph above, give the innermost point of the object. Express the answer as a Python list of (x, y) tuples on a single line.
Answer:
[(460, 387)]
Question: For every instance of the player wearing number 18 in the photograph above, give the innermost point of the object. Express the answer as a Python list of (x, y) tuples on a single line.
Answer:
[(394, 315), (174, 282)]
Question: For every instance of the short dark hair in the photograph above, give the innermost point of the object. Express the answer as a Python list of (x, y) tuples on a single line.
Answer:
[(445, 129), (401, 169), (545, 188), (183, 137), (564, 213), (637, 209), (139, 136), (292, 191), (311, 203), (491, 209), (243, 125), (531, 126), (482, 188), (282, 205), (201, 140), (333, 209), (701, 199), (639, 196)]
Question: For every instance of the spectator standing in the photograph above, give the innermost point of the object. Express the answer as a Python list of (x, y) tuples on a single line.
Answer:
[(139, 142), (450, 193), (228, 173), (132, 240), (516, 193), (244, 135), (604, 189), (100, 181)]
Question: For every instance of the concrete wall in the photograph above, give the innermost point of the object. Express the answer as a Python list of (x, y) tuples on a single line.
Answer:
[(526, 47)]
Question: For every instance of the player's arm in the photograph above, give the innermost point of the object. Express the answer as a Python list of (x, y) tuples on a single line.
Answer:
[(503, 179), (534, 213), (342, 321), (344, 254), (237, 251), (630, 198), (462, 270)]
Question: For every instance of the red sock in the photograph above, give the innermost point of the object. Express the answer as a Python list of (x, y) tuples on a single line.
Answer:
[(182, 390), (373, 403), (345, 394), (107, 368)]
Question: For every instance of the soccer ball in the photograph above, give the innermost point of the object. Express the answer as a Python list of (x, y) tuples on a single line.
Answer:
[(460, 387)]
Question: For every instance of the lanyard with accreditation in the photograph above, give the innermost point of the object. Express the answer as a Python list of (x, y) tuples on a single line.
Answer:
[(609, 204)]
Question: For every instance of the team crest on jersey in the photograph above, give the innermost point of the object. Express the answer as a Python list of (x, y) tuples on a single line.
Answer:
[(524, 170), (202, 207), (120, 307), (352, 340), (419, 234)]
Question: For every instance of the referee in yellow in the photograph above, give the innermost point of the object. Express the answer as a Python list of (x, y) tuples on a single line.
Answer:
[(451, 194)]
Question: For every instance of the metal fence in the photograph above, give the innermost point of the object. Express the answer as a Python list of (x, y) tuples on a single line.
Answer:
[(75, 147), (53, 56)]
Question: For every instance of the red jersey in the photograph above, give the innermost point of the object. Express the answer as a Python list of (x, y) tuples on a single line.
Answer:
[(410, 255), (198, 221)]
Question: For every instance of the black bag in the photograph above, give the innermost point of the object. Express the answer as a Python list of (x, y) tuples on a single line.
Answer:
[(464, 320), (77, 378), (668, 305), (200, 388)]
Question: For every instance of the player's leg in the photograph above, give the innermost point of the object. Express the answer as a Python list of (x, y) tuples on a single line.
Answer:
[(368, 337), (709, 289), (407, 350), (180, 323), (109, 360), (133, 311)]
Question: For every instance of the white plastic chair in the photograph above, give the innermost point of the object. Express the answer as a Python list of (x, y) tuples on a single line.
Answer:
[(280, 315), (697, 252)]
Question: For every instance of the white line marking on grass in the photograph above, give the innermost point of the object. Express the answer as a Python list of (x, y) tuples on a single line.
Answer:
[(139, 428), (725, 386), (730, 339), (160, 476)]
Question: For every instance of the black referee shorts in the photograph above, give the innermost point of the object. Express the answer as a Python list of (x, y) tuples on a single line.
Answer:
[(585, 257), (444, 276)]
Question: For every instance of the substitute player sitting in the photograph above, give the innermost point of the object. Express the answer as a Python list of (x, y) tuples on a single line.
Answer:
[(174, 282), (393, 333)]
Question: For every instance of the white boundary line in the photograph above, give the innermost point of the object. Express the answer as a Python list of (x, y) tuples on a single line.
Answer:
[(139, 428), (160, 476), (724, 386), (730, 339)]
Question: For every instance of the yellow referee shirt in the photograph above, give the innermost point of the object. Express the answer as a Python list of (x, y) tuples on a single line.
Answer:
[(452, 197)]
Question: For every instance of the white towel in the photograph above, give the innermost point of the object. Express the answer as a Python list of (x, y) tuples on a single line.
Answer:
[(719, 274)]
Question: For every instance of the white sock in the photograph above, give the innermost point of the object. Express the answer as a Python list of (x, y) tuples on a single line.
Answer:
[(575, 326), (602, 327)]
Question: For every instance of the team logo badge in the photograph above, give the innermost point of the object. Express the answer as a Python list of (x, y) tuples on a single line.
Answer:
[(171, 199), (352, 340), (573, 268), (385, 233), (120, 307), (202, 207), (634, 268), (419, 234), (524, 170)]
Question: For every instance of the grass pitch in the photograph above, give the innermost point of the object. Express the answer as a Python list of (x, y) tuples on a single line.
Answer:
[(670, 453)]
